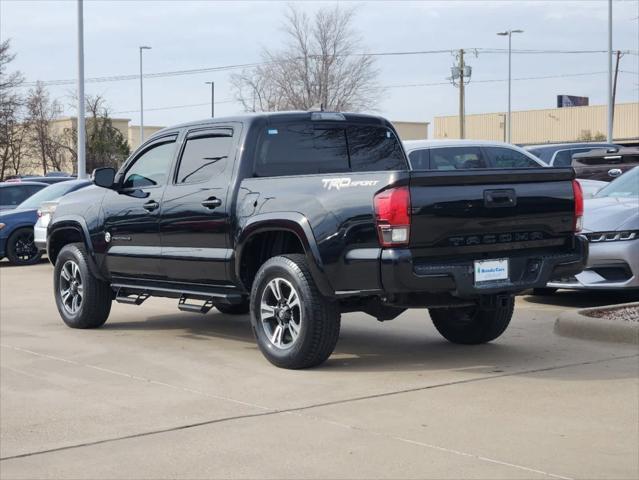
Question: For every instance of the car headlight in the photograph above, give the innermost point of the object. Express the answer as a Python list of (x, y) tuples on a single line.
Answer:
[(47, 209), (2, 225), (598, 237)]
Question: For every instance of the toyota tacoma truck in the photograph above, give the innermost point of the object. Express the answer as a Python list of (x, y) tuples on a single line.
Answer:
[(298, 217)]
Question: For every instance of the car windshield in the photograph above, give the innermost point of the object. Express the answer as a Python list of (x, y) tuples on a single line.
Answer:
[(47, 194), (625, 186)]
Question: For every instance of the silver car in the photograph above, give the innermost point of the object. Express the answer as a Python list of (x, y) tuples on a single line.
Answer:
[(611, 223)]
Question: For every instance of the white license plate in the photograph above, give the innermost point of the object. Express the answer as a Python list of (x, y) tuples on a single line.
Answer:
[(491, 270)]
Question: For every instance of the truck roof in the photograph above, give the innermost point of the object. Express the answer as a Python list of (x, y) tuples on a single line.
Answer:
[(296, 115)]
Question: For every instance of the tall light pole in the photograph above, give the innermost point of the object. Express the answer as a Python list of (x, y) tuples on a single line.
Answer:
[(82, 165), (509, 34), (142, 96), (610, 106), (212, 98)]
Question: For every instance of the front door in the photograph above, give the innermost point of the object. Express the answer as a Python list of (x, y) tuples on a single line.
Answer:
[(132, 213), (195, 223)]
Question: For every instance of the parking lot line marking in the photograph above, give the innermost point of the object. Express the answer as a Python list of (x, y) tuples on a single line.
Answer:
[(481, 457), (298, 410)]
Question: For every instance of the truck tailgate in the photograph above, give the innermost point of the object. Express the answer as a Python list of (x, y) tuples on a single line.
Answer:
[(484, 211)]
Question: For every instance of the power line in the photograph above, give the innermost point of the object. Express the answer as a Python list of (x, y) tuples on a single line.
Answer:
[(195, 71), (493, 80), (172, 107), (406, 85)]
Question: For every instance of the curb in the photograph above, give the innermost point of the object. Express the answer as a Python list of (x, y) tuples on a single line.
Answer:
[(578, 324)]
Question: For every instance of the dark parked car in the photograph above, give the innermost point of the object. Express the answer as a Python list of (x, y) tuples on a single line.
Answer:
[(606, 163), (16, 226), (13, 194), (300, 216), (560, 154)]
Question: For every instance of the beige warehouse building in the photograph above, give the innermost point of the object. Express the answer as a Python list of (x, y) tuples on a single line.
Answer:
[(553, 125)]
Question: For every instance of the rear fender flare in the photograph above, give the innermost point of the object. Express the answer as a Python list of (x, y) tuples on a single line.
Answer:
[(295, 223)]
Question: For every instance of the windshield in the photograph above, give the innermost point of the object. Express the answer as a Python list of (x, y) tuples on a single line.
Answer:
[(625, 186), (47, 194)]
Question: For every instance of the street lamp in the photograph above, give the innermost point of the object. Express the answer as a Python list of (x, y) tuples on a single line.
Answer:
[(142, 96), (212, 98), (509, 34)]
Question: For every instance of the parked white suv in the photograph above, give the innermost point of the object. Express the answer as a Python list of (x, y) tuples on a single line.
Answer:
[(467, 154)]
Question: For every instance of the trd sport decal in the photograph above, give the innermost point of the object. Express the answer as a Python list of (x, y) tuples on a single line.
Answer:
[(346, 182)]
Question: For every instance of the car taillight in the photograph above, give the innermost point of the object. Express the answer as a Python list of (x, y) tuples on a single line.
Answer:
[(392, 216), (579, 205)]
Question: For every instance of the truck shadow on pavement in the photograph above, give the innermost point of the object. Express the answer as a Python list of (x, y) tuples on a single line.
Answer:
[(363, 347)]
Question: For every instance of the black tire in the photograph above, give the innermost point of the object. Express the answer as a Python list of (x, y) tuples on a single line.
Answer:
[(472, 325), (315, 318), (96, 296), (545, 291), (21, 249), (236, 309)]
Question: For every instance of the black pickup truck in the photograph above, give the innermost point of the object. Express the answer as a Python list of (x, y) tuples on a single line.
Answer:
[(298, 217)]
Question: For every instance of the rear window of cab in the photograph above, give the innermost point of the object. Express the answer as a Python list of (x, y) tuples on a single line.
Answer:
[(306, 148)]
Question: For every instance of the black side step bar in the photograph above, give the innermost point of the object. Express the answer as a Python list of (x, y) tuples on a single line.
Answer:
[(194, 308), (131, 298)]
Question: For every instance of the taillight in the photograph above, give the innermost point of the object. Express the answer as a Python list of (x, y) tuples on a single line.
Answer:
[(392, 215), (579, 205)]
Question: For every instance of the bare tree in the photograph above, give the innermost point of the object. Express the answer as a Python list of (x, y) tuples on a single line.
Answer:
[(106, 146), (11, 103), (45, 141), (318, 67)]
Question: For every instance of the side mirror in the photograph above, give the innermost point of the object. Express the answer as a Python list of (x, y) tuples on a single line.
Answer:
[(104, 177)]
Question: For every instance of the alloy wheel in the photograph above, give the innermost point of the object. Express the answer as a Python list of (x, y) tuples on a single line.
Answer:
[(71, 288), (281, 313), (25, 248)]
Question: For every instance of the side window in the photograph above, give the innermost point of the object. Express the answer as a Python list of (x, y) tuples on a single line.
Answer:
[(32, 189), (151, 168), (563, 158), (10, 196), (374, 149), (302, 148), (456, 158), (204, 158), (508, 158), (419, 159)]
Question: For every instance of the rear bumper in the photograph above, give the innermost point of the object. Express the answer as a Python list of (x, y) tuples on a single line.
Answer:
[(401, 273)]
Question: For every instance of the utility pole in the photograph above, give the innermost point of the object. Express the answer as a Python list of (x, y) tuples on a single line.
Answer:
[(212, 98), (142, 96), (82, 161), (461, 73), (614, 88), (610, 107), (462, 100)]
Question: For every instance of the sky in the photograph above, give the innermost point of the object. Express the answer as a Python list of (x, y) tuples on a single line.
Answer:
[(202, 34)]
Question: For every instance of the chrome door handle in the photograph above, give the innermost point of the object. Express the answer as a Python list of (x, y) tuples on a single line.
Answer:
[(212, 203), (614, 172), (150, 206)]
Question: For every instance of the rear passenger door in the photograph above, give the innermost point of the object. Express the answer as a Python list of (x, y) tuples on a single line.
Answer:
[(195, 219)]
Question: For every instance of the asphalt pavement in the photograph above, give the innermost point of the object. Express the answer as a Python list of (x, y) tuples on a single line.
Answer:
[(158, 393)]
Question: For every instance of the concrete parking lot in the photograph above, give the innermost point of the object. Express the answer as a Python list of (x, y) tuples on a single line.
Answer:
[(158, 393)]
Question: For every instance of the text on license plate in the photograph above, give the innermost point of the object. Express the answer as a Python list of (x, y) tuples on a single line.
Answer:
[(489, 270)]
